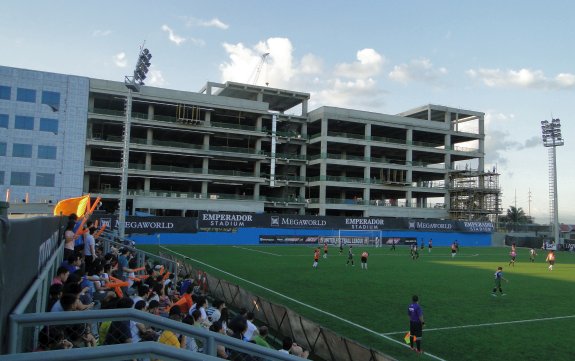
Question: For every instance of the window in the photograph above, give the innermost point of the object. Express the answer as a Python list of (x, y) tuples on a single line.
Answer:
[(20, 179), (3, 149), (2, 177), (49, 125), (22, 122), (51, 99), (3, 120), (26, 95), (46, 152), (45, 179), (22, 150), (5, 92)]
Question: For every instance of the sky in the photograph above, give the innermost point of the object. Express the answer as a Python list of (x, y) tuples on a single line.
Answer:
[(512, 60)]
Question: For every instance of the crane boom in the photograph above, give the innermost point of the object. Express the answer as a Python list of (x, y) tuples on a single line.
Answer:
[(259, 67)]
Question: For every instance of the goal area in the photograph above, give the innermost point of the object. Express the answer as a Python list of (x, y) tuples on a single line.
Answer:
[(356, 237)]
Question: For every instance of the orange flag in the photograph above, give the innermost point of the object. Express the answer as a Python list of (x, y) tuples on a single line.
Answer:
[(72, 205)]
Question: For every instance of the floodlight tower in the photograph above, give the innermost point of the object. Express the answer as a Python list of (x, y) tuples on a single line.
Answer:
[(133, 83), (551, 132)]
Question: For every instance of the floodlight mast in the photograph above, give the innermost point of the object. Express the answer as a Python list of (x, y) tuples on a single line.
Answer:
[(551, 136), (133, 83)]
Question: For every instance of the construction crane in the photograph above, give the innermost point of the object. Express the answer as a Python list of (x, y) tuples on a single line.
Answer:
[(259, 68)]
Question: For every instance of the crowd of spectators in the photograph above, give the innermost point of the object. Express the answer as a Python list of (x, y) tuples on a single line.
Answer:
[(88, 279)]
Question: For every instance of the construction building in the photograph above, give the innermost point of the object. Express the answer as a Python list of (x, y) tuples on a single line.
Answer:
[(248, 148)]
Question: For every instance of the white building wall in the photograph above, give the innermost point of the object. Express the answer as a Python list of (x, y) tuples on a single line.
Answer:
[(70, 140)]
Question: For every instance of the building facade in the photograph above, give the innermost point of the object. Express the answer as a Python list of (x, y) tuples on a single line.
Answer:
[(42, 135), (244, 148)]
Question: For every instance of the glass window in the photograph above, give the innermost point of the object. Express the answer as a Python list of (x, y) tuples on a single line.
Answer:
[(26, 95), (2, 177), (46, 152), (22, 150), (45, 179), (22, 122), (51, 99), (49, 125), (2, 149), (20, 179), (3, 120), (5, 92)]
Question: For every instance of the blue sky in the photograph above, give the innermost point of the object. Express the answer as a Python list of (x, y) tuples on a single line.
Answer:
[(512, 60)]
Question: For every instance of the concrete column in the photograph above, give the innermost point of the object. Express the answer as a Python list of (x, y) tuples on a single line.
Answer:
[(149, 136), (208, 119), (204, 189), (148, 161), (150, 111), (146, 185), (481, 165), (86, 185), (304, 107), (256, 191)]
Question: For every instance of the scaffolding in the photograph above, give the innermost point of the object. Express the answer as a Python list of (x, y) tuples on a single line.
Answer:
[(474, 195)]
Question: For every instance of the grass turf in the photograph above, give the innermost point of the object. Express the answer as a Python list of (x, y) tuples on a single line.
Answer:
[(463, 320)]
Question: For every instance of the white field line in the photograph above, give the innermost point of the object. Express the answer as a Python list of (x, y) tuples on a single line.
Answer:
[(486, 324), (255, 250), (302, 304)]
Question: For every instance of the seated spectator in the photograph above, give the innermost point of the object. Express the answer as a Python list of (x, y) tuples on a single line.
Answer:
[(72, 263), (287, 343), (201, 305), (215, 311), (168, 337), (119, 331), (292, 348), (142, 294), (239, 325), (52, 338), (191, 344), (154, 308), (252, 329), (260, 339), (55, 294), (61, 276), (223, 321), (69, 237), (186, 302), (221, 350)]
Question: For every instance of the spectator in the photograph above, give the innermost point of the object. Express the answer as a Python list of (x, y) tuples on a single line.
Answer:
[(52, 338), (69, 239), (170, 338), (55, 294), (186, 302), (191, 344), (239, 326), (252, 329), (215, 311), (154, 308), (89, 248), (61, 276), (221, 350), (119, 331), (142, 295), (287, 343), (260, 339), (201, 305), (72, 263), (223, 321)]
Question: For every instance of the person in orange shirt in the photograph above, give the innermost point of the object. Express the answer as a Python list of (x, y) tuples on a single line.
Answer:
[(364, 256), (186, 301), (325, 250), (315, 257), (551, 260)]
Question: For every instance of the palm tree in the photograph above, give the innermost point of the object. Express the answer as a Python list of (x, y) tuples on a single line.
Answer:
[(516, 215)]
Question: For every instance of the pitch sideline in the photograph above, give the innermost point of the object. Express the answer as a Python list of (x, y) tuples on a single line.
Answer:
[(302, 303), (485, 324)]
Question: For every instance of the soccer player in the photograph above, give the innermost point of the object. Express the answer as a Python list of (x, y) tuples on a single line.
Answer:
[(513, 254), (498, 277), (315, 257), (350, 256), (325, 250), (551, 260), (414, 252), (416, 323), (364, 256), (429, 245), (532, 255), (340, 246), (453, 249)]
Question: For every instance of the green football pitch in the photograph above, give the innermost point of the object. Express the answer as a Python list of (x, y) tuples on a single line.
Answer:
[(534, 320)]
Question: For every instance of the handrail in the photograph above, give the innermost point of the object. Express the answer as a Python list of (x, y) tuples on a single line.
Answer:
[(113, 352), (211, 338)]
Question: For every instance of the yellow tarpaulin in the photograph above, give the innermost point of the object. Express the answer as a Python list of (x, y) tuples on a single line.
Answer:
[(72, 205)]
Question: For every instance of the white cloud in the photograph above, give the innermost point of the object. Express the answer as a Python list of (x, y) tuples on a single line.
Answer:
[(98, 33), (212, 23), (351, 87), (522, 78), (120, 60), (369, 64), (421, 70), (156, 78), (172, 36)]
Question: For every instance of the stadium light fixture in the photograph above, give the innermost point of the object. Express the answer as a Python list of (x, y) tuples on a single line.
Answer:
[(552, 138), (133, 83)]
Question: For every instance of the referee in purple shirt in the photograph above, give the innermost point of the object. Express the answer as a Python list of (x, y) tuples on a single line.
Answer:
[(416, 323)]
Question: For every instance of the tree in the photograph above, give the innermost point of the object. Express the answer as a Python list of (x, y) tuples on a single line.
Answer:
[(516, 215)]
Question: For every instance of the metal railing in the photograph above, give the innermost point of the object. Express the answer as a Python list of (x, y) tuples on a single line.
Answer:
[(20, 322)]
